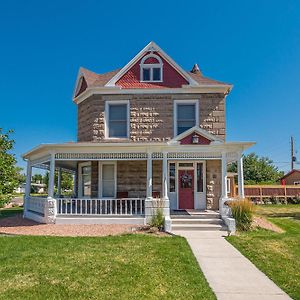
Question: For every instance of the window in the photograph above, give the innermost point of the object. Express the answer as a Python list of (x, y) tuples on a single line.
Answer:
[(228, 185), (172, 177), (296, 182), (108, 180), (185, 115), (117, 119), (151, 68), (86, 181), (199, 177)]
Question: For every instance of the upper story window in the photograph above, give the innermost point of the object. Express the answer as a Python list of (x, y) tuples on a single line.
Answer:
[(151, 68), (185, 115), (117, 119)]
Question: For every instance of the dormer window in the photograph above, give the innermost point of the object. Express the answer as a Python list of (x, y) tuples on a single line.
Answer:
[(151, 68)]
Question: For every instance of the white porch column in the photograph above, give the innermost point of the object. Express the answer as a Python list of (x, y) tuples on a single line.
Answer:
[(165, 176), (240, 176), (59, 182), (149, 175), (28, 186), (75, 184), (224, 176), (50, 210), (51, 176)]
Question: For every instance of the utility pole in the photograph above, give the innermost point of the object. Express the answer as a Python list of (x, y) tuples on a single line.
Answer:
[(293, 158)]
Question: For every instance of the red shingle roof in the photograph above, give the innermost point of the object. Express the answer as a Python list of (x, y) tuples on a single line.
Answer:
[(100, 80)]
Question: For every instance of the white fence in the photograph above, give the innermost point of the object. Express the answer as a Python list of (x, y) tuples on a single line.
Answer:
[(36, 204), (122, 206)]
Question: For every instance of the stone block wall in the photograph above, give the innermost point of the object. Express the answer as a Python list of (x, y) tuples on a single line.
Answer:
[(94, 178), (132, 177), (151, 116), (213, 183)]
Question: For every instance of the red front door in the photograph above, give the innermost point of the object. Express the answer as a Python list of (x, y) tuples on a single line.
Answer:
[(186, 189)]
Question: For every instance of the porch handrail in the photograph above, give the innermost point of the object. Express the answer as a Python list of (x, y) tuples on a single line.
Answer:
[(94, 206), (36, 204)]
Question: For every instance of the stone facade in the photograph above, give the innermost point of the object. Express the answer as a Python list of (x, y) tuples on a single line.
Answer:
[(151, 116), (94, 178), (131, 178), (213, 183)]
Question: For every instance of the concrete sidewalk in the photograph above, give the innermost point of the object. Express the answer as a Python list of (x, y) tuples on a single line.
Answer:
[(228, 272)]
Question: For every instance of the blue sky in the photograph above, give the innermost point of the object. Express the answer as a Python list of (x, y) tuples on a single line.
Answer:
[(253, 44)]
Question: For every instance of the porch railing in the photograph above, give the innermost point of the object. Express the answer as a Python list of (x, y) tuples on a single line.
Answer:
[(36, 204), (120, 206)]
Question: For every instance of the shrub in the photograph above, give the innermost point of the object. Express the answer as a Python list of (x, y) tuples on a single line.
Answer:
[(158, 219), (242, 211), (4, 199)]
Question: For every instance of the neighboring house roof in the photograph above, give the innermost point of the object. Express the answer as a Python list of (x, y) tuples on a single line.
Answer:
[(290, 173), (127, 77)]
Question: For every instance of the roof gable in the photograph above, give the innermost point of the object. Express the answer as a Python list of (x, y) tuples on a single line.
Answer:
[(195, 138), (171, 78), (205, 137), (290, 173), (131, 70)]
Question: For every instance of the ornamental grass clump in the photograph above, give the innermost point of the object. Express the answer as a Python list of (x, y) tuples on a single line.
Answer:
[(242, 211)]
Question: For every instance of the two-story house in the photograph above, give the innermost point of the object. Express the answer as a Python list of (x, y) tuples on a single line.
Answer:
[(149, 134)]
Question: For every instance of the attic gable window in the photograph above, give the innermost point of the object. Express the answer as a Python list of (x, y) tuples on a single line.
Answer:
[(151, 68)]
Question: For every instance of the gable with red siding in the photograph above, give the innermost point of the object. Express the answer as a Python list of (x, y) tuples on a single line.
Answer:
[(171, 77), (188, 140)]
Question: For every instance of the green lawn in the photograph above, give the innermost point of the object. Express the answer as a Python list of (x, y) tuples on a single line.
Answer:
[(8, 212), (276, 254), (120, 267)]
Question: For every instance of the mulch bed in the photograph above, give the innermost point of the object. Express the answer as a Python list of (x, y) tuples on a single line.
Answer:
[(17, 225)]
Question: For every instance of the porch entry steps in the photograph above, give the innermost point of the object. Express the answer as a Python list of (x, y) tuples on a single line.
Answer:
[(197, 220)]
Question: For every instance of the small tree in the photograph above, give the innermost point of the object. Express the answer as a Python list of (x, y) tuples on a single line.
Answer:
[(258, 170), (9, 172), (66, 180), (37, 178)]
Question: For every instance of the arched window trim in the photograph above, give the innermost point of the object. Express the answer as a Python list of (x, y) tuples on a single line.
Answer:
[(144, 65)]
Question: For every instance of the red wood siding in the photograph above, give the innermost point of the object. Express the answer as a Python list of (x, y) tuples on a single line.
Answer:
[(188, 140), (171, 78)]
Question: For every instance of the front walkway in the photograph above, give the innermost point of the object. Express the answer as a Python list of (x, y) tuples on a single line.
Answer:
[(228, 272)]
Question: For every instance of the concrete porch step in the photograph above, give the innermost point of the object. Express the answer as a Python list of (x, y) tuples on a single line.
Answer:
[(196, 216), (197, 221), (198, 227)]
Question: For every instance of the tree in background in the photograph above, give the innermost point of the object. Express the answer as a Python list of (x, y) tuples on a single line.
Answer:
[(37, 178), (10, 176), (66, 180), (258, 170)]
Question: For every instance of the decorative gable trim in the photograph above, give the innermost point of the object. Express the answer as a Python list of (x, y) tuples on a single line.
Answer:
[(78, 84), (152, 47), (214, 139)]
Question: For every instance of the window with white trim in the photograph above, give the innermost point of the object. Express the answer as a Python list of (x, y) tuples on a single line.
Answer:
[(86, 181), (186, 117), (108, 180), (151, 68), (117, 119)]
